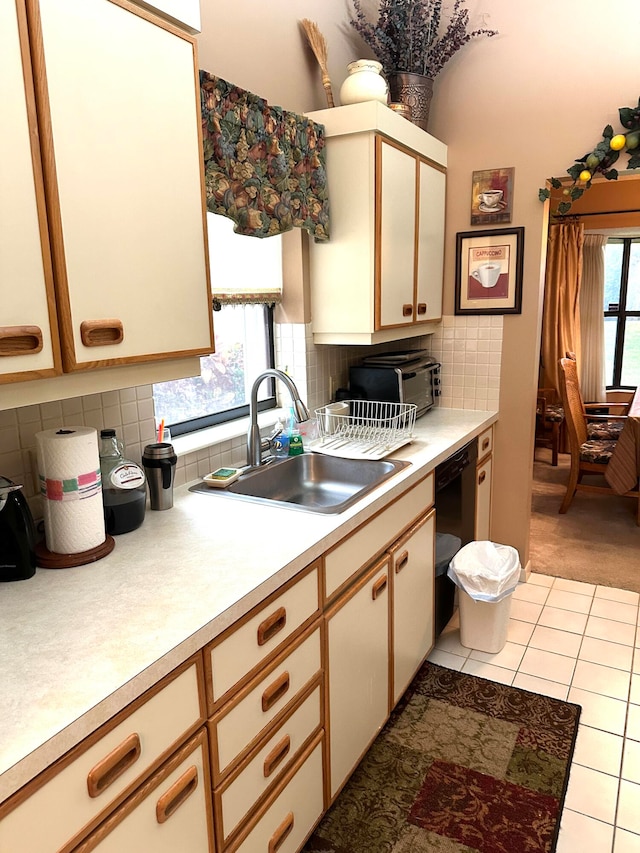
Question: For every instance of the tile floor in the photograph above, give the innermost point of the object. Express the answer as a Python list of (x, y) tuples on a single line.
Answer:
[(580, 643)]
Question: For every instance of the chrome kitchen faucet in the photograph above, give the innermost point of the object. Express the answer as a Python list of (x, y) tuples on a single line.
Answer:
[(255, 443)]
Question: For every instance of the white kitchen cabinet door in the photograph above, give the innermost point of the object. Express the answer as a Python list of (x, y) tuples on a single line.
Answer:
[(379, 277), (120, 123), (396, 212), (358, 662), (483, 500), (412, 570), (29, 345), (430, 242)]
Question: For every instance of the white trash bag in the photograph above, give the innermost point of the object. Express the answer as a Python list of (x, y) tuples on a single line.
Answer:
[(485, 570)]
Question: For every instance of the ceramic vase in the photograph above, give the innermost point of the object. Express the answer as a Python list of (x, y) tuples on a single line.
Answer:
[(364, 83), (415, 90)]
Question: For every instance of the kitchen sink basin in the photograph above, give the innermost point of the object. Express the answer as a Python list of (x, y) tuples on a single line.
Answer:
[(312, 482)]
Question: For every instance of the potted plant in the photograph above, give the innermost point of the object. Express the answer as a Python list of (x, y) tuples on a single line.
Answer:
[(413, 43)]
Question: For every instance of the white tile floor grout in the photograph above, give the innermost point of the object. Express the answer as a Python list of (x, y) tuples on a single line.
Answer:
[(580, 643)]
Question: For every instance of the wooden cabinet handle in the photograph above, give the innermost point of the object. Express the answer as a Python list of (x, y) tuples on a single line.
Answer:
[(113, 765), (482, 477), (422, 307), (275, 691), (173, 798), (271, 625), (378, 587), (20, 340), (486, 443), (99, 333), (407, 310), (281, 833), (402, 561), (277, 754)]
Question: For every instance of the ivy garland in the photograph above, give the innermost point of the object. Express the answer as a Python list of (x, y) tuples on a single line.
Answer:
[(601, 159)]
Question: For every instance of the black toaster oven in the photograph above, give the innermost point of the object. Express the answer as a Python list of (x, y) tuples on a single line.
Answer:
[(397, 377)]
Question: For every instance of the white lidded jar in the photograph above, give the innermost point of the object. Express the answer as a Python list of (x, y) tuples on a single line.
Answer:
[(364, 83)]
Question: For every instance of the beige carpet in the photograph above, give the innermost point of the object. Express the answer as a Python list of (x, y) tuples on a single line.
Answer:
[(596, 541)]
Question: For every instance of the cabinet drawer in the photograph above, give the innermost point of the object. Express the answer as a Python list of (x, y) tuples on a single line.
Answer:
[(172, 811), (103, 770), (234, 730), (290, 817), (237, 798), (485, 443), (357, 551), (241, 651)]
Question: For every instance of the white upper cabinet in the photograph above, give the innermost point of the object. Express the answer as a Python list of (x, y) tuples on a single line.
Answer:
[(379, 277), (184, 12), (118, 122), (28, 328)]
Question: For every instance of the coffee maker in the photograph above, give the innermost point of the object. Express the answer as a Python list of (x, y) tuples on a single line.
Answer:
[(17, 534)]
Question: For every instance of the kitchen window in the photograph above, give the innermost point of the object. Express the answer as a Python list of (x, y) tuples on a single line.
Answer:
[(244, 348), (246, 281), (622, 312)]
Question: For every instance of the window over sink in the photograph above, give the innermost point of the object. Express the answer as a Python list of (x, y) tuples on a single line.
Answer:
[(246, 280)]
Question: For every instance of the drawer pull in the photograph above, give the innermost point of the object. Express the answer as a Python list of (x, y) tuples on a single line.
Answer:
[(275, 691), (277, 754), (407, 310), (20, 340), (422, 307), (172, 799), (486, 443), (113, 765), (271, 625), (378, 587), (402, 561), (482, 477), (98, 333), (281, 833)]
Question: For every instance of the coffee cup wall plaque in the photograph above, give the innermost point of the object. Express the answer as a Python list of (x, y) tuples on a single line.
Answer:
[(489, 271), (492, 196)]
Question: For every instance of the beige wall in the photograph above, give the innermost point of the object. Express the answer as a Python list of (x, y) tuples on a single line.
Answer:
[(534, 97)]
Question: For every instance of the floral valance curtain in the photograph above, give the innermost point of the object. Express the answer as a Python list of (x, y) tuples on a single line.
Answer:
[(264, 166)]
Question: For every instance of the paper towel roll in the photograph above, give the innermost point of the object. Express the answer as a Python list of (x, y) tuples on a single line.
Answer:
[(71, 489)]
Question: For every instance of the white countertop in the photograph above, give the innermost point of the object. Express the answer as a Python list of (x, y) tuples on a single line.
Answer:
[(77, 645)]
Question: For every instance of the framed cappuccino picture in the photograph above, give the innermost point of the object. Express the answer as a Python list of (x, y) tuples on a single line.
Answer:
[(489, 271), (492, 196)]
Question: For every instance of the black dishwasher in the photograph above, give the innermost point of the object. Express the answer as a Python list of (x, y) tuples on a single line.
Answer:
[(455, 501)]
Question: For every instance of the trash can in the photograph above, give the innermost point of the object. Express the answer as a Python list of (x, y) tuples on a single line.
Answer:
[(447, 545), (486, 575)]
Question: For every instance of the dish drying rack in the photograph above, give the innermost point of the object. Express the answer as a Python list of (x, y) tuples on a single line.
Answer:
[(366, 430)]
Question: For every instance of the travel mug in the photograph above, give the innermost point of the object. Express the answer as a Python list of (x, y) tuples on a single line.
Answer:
[(159, 462)]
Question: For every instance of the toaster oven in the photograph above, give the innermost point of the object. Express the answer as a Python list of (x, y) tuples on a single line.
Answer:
[(397, 377)]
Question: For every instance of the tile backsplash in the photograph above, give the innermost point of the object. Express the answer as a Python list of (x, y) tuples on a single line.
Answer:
[(469, 349)]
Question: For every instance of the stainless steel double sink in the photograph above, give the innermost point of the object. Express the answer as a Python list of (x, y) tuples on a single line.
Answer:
[(312, 482)]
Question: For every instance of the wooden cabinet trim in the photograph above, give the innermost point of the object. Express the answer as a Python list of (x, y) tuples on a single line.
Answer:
[(245, 690), (397, 553), (337, 593), (214, 705), (275, 793), (68, 758), (199, 741), (68, 357), (485, 444), (218, 790), (39, 188)]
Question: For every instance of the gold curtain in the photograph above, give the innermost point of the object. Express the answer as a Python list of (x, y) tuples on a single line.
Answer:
[(561, 312)]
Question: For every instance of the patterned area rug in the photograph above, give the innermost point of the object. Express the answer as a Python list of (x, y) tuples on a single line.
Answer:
[(464, 765)]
